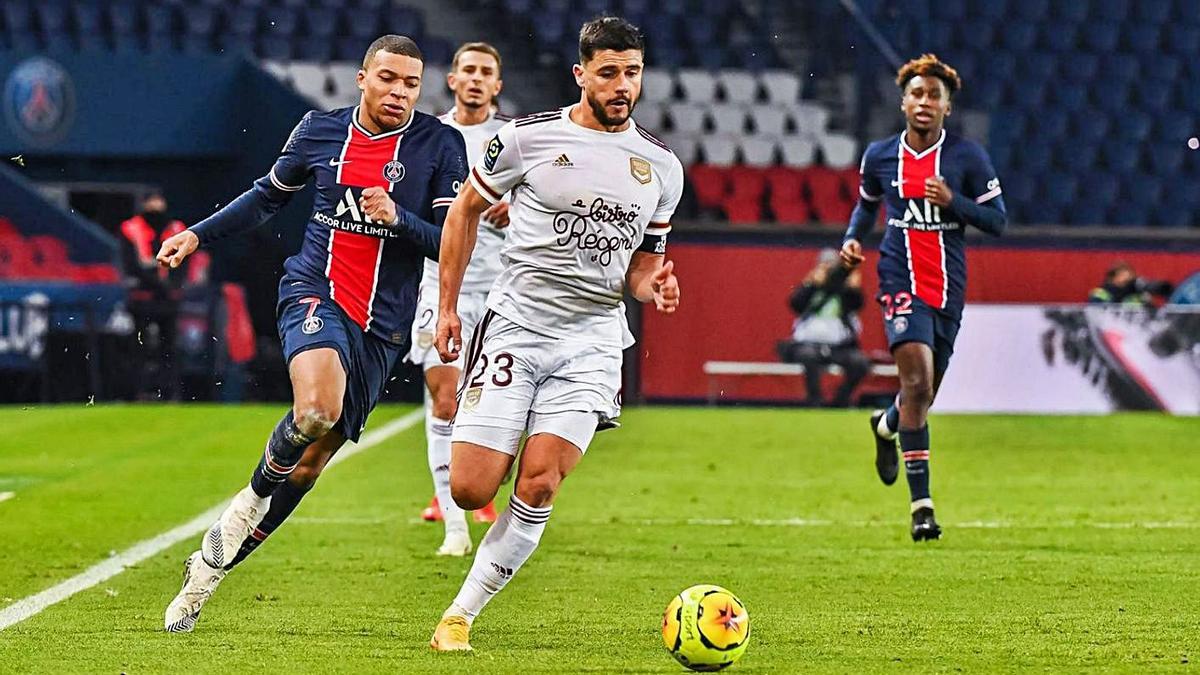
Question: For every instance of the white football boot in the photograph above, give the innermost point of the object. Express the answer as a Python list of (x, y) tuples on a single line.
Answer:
[(456, 544), (199, 582), (226, 535)]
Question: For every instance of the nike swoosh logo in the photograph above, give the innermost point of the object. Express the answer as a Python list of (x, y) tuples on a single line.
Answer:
[(334, 161)]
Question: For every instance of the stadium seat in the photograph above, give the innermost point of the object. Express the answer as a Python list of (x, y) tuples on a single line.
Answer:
[(1142, 189), (686, 118), (719, 150), (684, 146), (739, 86), (311, 80), (697, 86), (746, 182), (840, 150), (1174, 126), (710, 185), (1153, 11), (51, 16), (657, 85), (831, 203), (1165, 158), (1121, 158), (1061, 38), (1071, 96), (1142, 38), (1032, 10), (810, 118), (1124, 214), (1036, 156), (798, 151), (1173, 215), (768, 120), (1111, 10), (1074, 11), (1162, 67), (759, 151), (1102, 37), (1153, 96), (1080, 67), (1086, 212), (786, 196), (1019, 188), (1183, 40), (280, 21), (728, 118), (1018, 36), (1058, 189), (743, 211), (781, 86), (1089, 126), (275, 48), (198, 19), (652, 116), (320, 22), (993, 10)]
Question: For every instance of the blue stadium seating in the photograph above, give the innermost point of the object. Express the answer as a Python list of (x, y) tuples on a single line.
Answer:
[(1111, 10)]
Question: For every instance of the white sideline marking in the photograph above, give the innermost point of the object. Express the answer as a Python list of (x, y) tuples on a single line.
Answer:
[(7, 495), (813, 522), (103, 571)]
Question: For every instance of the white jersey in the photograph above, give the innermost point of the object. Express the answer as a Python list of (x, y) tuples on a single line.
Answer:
[(582, 202), (485, 263)]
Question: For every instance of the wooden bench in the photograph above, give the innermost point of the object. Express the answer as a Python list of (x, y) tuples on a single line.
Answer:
[(715, 370)]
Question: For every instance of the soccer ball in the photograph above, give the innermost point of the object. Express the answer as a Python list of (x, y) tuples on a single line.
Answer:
[(706, 628)]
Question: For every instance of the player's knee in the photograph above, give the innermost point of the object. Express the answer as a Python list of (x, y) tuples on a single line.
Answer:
[(314, 417), (539, 489), (445, 407), (469, 495), (916, 391)]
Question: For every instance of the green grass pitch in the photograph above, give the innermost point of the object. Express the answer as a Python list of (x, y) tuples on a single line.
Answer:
[(1071, 545)]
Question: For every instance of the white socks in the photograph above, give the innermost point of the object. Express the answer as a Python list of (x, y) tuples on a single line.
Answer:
[(507, 545), (437, 439)]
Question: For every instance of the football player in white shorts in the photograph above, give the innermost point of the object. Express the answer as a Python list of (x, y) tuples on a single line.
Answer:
[(592, 199), (475, 80)]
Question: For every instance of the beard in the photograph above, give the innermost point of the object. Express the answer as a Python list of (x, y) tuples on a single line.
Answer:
[(602, 115)]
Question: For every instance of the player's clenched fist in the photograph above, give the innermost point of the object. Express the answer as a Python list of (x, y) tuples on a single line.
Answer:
[(448, 338), (497, 215), (666, 288), (377, 206), (177, 247), (937, 192), (852, 254)]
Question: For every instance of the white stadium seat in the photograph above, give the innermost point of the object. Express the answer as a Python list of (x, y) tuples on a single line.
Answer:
[(840, 150), (719, 150), (782, 86), (798, 151), (811, 118), (769, 120), (687, 118), (759, 150), (728, 118), (684, 147), (658, 85), (699, 86), (740, 86), (278, 70), (310, 80), (650, 115)]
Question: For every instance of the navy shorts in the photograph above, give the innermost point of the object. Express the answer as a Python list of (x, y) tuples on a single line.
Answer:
[(907, 318), (311, 322)]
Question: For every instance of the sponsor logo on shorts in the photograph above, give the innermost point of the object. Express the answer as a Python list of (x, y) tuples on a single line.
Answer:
[(312, 325), (471, 399), (899, 324), (425, 339)]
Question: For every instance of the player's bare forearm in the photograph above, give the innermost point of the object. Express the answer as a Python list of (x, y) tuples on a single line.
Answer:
[(641, 275), (458, 241)]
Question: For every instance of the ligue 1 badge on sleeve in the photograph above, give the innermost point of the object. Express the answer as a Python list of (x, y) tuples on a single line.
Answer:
[(494, 148), (640, 169), (393, 171)]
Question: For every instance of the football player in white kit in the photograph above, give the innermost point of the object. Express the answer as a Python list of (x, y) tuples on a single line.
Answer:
[(475, 80), (592, 199)]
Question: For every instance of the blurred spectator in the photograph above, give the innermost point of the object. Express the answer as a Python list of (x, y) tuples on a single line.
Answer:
[(826, 329), (155, 293), (1122, 286)]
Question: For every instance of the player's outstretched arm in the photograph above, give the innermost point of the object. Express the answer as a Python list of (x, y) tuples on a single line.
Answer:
[(653, 280), (458, 241)]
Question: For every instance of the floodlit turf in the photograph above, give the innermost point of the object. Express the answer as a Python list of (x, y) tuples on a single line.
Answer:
[(1072, 545)]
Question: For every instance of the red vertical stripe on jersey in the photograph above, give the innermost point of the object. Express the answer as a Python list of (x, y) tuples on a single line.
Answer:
[(354, 259), (926, 250)]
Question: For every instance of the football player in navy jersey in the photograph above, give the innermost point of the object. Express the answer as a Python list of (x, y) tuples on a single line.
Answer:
[(934, 185), (385, 176)]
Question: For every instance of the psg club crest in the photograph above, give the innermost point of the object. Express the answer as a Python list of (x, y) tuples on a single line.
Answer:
[(312, 324), (39, 101), (393, 172)]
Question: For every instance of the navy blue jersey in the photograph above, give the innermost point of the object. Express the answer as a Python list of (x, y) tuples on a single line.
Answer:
[(923, 253), (370, 270)]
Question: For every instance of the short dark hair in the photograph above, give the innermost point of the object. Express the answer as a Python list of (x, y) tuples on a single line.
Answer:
[(609, 32), (482, 47), (393, 44), (928, 65)]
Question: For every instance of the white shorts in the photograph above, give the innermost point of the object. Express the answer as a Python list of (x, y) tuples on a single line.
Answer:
[(518, 381), (423, 353)]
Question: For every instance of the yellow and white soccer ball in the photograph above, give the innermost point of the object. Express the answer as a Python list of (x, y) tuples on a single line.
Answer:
[(706, 628)]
